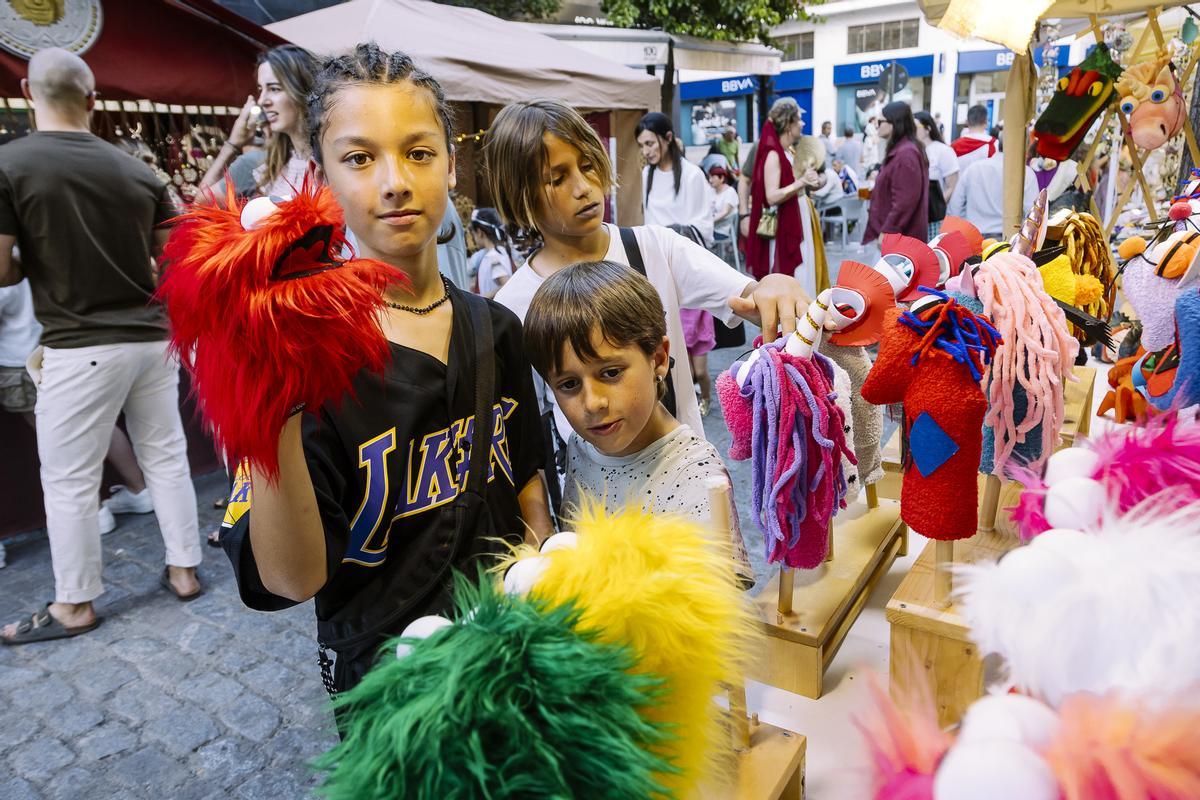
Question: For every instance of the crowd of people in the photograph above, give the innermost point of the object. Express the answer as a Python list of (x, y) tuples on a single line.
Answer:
[(575, 328)]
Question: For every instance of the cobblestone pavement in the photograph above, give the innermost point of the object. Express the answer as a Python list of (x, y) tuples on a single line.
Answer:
[(178, 700)]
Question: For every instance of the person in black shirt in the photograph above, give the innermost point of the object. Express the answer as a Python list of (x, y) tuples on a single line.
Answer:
[(379, 498)]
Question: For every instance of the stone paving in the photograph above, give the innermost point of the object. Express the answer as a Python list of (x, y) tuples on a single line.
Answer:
[(178, 700)]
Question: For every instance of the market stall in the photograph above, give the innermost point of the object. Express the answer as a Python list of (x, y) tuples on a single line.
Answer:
[(163, 71), (484, 63)]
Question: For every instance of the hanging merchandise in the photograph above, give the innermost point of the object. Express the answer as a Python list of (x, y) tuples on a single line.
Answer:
[(1100, 695), (1157, 459), (1151, 99), (299, 303), (1080, 97), (595, 678), (1091, 287), (932, 359)]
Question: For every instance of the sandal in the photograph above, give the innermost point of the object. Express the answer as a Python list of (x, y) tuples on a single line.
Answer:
[(165, 582), (214, 538), (41, 626)]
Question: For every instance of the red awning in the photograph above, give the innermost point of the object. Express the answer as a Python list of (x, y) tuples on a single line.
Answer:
[(192, 52)]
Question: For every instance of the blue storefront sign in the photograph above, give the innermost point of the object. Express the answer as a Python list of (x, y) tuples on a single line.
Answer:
[(718, 87), (1001, 60), (872, 71), (797, 84)]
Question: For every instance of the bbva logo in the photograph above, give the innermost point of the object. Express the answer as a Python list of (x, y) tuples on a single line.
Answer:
[(737, 84)]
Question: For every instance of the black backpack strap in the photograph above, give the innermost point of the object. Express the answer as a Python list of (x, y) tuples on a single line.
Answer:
[(485, 379), (632, 251), (634, 254)]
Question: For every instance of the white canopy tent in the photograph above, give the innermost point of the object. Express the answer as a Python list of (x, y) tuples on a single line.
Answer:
[(487, 62), (477, 58)]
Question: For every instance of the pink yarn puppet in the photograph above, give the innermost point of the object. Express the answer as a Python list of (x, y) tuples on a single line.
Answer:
[(785, 420)]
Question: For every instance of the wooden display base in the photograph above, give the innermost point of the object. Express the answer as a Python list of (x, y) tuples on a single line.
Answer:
[(931, 642), (773, 767), (827, 600)]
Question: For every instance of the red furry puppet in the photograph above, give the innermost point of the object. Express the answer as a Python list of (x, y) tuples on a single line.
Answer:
[(931, 359), (268, 314)]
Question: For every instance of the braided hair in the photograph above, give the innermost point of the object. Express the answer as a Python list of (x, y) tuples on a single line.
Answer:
[(369, 65)]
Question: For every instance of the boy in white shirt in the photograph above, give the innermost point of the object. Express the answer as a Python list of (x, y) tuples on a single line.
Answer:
[(596, 333)]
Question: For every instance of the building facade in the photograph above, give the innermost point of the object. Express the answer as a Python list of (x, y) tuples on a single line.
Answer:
[(858, 55)]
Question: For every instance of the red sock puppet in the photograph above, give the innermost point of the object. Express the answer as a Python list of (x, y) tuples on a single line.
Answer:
[(931, 360)]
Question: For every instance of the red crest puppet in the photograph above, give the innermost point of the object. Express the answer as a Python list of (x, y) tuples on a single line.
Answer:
[(268, 313), (908, 264)]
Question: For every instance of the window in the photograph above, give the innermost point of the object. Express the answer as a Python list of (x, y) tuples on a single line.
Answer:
[(796, 47), (882, 36)]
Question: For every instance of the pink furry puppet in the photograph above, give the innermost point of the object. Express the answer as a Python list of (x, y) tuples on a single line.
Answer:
[(1159, 458), (905, 746)]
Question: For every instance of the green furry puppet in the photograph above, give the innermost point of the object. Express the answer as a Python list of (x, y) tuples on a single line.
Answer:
[(511, 701)]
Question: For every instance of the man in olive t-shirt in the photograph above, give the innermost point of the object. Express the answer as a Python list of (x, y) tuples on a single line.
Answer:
[(81, 219)]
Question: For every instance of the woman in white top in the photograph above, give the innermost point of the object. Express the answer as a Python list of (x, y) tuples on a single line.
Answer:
[(496, 264), (676, 192), (285, 77), (943, 168), (680, 201)]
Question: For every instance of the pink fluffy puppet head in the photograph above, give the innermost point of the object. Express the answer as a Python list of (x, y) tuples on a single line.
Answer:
[(1158, 457)]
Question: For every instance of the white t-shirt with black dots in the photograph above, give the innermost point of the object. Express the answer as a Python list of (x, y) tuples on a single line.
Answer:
[(667, 477)]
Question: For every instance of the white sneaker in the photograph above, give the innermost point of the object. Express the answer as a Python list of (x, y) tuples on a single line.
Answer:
[(108, 523), (124, 501)]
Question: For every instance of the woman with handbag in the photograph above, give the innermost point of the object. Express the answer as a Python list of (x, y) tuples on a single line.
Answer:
[(775, 231)]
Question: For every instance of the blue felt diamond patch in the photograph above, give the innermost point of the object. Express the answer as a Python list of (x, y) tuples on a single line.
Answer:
[(929, 445)]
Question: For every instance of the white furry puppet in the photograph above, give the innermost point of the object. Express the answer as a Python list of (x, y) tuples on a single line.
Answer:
[(1101, 633), (1114, 609)]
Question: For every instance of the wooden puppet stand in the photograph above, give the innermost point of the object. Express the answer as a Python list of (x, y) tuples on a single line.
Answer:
[(930, 641), (807, 616), (768, 762)]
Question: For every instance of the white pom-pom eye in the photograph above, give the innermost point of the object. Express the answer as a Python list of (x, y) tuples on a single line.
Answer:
[(257, 210), (1072, 462), (994, 770), (1075, 503), (522, 575), (420, 628), (567, 540), (1009, 717)]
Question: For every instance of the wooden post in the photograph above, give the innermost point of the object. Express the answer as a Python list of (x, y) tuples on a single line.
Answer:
[(872, 496), (722, 527), (988, 508), (942, 579), (787, 587), (829, 552)]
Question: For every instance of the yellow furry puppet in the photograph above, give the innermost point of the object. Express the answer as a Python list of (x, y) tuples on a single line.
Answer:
[(665, 588)]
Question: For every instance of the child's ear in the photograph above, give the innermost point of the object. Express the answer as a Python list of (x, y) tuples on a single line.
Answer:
[(453, 181), (318, 172), (662, 357)]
